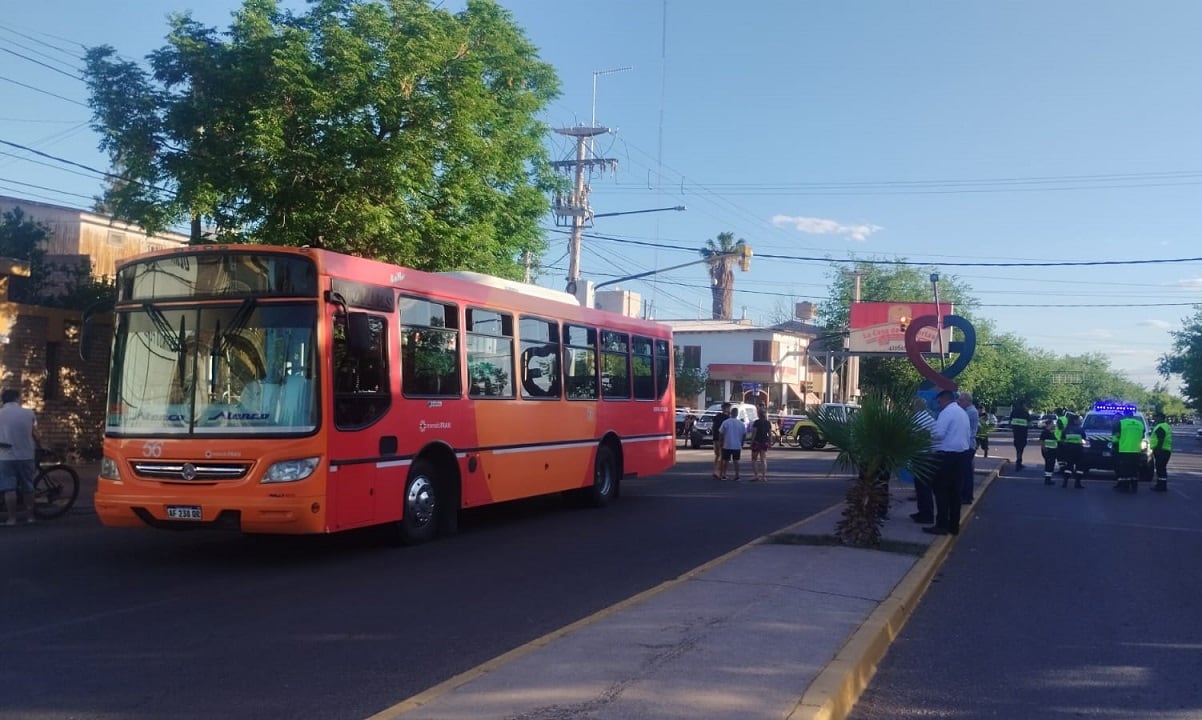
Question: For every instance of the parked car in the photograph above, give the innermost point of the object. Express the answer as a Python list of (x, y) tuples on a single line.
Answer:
[(803, 433), (704, 428)]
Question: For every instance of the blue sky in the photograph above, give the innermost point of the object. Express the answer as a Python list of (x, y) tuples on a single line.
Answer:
[(942, 132)]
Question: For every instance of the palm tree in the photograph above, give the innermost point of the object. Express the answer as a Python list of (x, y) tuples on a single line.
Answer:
[(875, 442), (722, 254)]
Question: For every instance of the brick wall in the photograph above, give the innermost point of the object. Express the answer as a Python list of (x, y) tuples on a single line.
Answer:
[(67, 393)]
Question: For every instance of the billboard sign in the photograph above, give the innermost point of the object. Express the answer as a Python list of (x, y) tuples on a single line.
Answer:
[(876, 327)]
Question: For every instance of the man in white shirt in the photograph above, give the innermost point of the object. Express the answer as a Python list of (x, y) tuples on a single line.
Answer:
[(731, 436), (951, 434), (18, 454)]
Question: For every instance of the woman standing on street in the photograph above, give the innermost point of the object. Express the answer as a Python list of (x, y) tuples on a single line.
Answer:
[(761, 438)]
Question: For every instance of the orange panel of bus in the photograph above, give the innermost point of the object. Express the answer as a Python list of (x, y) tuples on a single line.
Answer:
[(295, 390)]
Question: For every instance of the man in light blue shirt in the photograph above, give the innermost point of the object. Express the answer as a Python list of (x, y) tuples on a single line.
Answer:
[(952, 442)]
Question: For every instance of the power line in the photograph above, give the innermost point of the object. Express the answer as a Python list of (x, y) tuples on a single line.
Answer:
[(919, 263), (39, 62), (44, 92), (81, 165), (43, 187), (52, 46)]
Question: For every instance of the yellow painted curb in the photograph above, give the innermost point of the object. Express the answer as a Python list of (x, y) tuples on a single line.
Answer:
[(835, 691)]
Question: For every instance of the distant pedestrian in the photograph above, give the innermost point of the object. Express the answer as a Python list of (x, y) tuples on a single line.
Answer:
[(18, 454), (968, 480), (952, 444), (1049, 445), (1162, 449), (715, 424), (731, 435), (924, 476), (1072, 450), (984, 427), (1020, 425), (761, 440)]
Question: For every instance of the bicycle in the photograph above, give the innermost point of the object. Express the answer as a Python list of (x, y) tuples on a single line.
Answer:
[(55, 489)]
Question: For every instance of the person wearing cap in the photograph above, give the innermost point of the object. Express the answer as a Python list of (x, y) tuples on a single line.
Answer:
[(1049, 442), (1162, 448), (1071, 449)]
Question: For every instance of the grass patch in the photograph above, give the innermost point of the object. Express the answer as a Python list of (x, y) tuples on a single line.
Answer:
[(894, 546)]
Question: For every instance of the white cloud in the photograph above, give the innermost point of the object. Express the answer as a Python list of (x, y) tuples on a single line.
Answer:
[(1158, 324), (820, 226), (1190, 283)]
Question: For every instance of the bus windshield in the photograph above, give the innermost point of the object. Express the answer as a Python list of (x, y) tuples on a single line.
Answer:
[(233, 368)]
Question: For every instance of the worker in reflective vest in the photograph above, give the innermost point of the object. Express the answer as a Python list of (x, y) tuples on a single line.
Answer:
[(1162, 448), (1129, 445), (1048, 442), (1072, 449), (1020, 425)]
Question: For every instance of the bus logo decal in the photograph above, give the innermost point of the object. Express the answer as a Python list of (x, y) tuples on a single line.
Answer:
[(240, 416), (423, 426)]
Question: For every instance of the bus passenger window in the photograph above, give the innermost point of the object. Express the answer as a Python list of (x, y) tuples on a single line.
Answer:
[(580, 362), (615, 365), (641, 361), (663, 367), (429, 348), (540, 358), (489, 353)]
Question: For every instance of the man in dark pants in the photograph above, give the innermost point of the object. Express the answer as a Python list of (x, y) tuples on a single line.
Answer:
[(952, 443), (1162, 448), (923, 491), (1020, 425)]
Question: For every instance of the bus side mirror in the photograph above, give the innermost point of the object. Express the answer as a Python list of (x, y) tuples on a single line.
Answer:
[(358, 333)]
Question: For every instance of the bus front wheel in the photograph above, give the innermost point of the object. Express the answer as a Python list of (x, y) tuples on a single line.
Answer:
[(419, 523)]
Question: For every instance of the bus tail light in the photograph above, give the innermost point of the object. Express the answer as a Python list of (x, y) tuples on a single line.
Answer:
[(291, 470), (108, 469)]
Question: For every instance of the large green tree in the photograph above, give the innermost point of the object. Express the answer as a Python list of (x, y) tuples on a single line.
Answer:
[(1185, 359), (392, 129), (722, 253)]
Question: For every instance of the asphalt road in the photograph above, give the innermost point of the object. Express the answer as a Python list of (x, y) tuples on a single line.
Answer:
[(1060, 603), (106, 623)]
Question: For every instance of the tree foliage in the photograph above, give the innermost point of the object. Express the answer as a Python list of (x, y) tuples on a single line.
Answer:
[(1185, 359), (391, 129), (721, 255), (1004, 369), (875, 442)]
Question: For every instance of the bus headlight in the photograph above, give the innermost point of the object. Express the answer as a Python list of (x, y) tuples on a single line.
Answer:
[(291, 470), (108, 469)]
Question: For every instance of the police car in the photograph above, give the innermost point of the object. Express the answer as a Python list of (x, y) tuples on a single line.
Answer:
[(1098, 426)]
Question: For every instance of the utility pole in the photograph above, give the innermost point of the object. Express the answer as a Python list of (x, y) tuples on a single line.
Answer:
[(574, 207), (853, 362)]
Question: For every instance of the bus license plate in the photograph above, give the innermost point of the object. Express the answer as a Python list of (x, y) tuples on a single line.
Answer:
[(183, 512)]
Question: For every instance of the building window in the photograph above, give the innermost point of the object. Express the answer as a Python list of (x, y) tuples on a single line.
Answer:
[(691, 357), (761, 351), (116, 238)]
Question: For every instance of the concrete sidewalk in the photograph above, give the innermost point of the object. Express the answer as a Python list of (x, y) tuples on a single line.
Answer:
[(767, 631)]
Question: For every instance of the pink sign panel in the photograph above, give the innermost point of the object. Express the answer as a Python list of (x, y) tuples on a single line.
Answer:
[(876, 327)]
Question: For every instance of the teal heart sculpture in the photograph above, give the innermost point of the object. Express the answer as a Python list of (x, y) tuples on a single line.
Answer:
[(966, 349)]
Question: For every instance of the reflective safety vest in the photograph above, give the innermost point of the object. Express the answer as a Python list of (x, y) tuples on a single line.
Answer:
[(1073, 437), (1019, 422), (1131, 435), (1167, 444), (1050, 441)]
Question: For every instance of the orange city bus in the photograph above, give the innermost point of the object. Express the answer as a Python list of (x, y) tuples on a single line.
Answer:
[(295, 390)]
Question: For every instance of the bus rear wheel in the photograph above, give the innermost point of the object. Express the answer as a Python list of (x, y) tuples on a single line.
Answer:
[(606, 472), (420, 518)]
